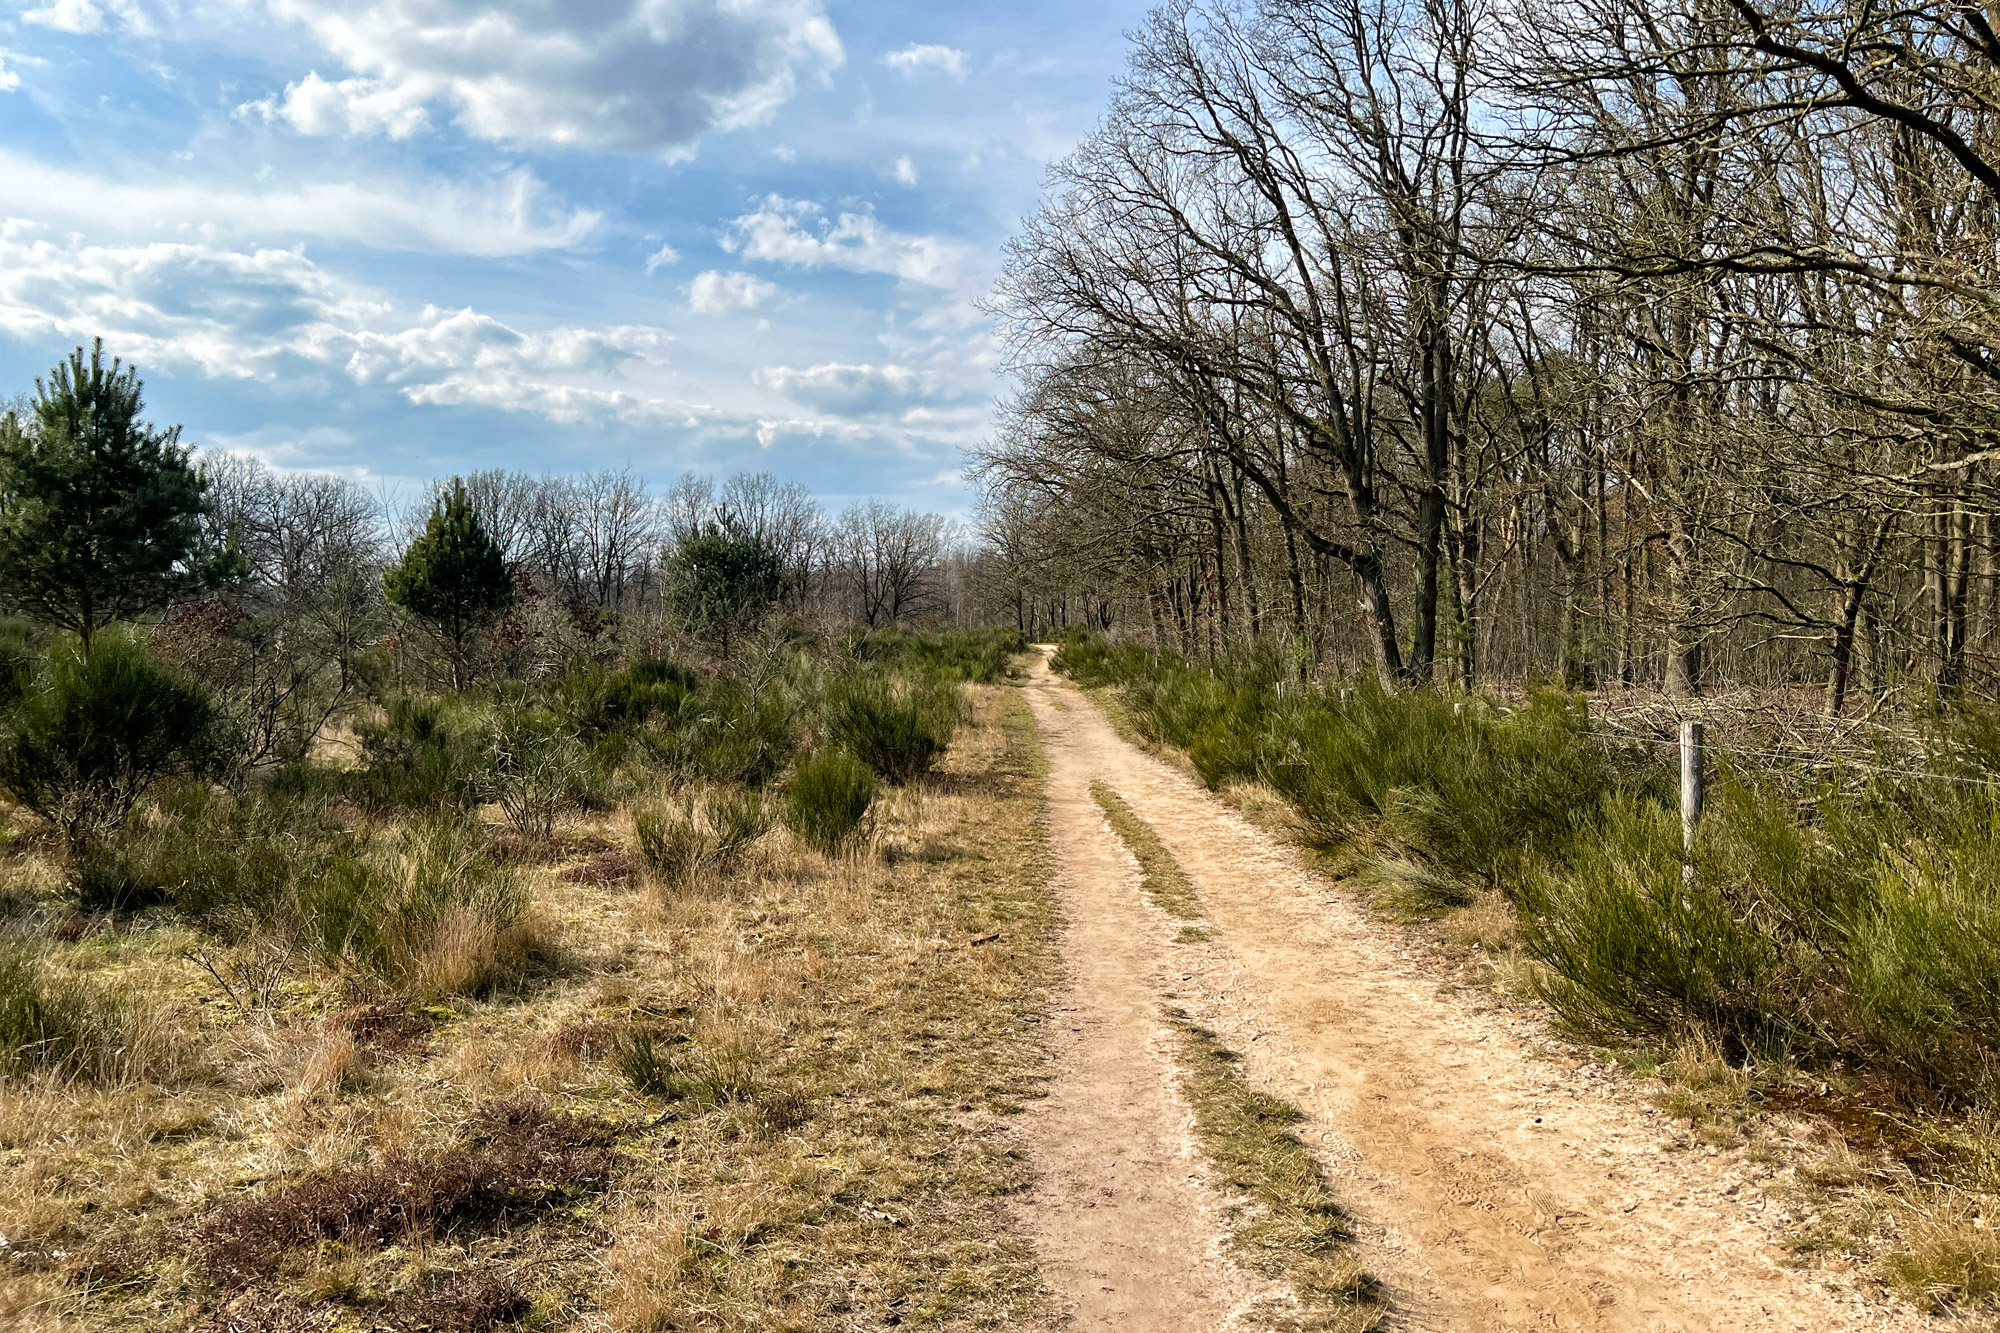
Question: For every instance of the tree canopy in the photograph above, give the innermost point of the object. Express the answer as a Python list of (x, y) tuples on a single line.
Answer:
[(100, 512), (454, 577), (721, 579)]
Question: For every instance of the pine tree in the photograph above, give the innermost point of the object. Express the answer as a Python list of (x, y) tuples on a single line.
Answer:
[(453, 577), (100, 513), (720, 580)]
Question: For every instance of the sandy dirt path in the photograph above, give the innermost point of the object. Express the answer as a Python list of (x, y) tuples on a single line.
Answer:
[(1497, 1188), (1129, 1231)]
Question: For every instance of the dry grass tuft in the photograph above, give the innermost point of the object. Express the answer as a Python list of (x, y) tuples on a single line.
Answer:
[(1949, 1258), (469, 954), (334, 1063)]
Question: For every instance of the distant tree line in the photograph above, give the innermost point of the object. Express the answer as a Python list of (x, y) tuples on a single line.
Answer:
[(1612, 340), (293, 592)]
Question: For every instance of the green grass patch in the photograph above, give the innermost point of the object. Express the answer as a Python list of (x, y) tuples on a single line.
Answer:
[(1166, 884), (1285, 1220)]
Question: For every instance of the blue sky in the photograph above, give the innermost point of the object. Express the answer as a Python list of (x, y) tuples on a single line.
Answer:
[(396, 239)]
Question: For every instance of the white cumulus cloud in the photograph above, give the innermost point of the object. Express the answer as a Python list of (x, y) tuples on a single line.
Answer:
[(847, 390), (265, 314), (664, 257), (906, 171), (923, 55), (352, 106), (790, 231), (610, 75), (67, 16), (718, 293)]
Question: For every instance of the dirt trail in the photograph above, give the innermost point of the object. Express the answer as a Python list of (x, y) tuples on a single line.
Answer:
[(1129, 1233), (1496, 1189)]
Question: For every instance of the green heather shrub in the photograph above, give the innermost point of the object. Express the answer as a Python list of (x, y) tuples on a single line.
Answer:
[(828, 798), (1093, 659), (900, 727), (1471, 789), (95, 733), (425, 753), (1636, 951), (1922, 932), (726, 733), (979, 655), (600, 705), (228, 863)]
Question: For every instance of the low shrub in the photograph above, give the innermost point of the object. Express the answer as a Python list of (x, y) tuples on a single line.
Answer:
[(979, 655), (97, 731), (701, 834), (1094, 659), (827, 800), (1466, 786), (726, 733), (519, 1159), (598, 704), (536, 769), (1636, 950), (234, 864), (425, 753), (900, 727)]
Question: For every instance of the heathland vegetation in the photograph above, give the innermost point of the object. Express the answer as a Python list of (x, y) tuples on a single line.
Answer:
[(396, 911)]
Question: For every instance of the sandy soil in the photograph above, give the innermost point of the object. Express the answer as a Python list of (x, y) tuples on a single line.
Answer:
[(1129, 1231), (1497, 1184)]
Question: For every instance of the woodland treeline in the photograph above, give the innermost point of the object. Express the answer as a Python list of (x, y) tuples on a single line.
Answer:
[(1459, 340), (590, 559)]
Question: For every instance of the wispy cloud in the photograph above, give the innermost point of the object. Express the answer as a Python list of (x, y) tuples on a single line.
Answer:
[(509, 214), (796, 232), (919, 56), (11, 65)]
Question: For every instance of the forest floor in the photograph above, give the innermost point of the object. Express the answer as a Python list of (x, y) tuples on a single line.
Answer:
[(1490, 1175)]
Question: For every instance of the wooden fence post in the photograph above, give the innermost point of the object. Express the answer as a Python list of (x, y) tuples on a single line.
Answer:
[(1691, 789)]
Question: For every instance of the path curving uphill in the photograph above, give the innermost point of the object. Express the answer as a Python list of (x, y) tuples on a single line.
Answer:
[(1495, 1189)]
